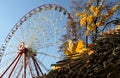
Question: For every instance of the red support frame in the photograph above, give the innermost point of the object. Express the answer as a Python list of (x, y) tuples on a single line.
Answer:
[(28, 62), (35, 66), (10, 66), (24, 65), (14, 66), (38, 66)]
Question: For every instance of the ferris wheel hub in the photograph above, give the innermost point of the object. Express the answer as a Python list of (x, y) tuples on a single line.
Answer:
[(21, 46), (28, 51)]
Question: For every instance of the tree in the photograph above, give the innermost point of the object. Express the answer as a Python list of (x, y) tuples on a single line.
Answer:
[(96, 22)]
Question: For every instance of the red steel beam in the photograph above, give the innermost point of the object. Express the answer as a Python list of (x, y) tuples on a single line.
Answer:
[(24, 65), (38, 66), (9, 66), (15, 65), (35, 66), (28, 61)]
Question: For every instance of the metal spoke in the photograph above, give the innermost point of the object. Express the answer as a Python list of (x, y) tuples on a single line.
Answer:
[(31, 73), (22, 33), (7, 53), (18, 74), (9, 66), (50, 55), (6, 62), (47, 45), (17, 38), (42, 65), (12, 45), (14, 66), (35, 66)]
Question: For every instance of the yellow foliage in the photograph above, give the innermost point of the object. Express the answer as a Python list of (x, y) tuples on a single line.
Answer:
[(90, 19), (67, 52), (83, 14), (92, 9), (111, 11), (90, 52), (69, 45), (102, 18), (85, 18), (100, 23), (55, 67), (83, 21), (106, 16), (91, 27), (80, 46), (115, 8), (76, 50), (95, 10)]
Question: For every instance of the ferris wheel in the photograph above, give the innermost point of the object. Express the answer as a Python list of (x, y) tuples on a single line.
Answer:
[(32, 44)]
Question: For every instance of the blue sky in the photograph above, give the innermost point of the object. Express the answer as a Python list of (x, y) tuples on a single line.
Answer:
[(12, 10)]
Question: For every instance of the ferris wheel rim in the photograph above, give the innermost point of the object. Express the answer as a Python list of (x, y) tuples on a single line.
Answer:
[(24, 18)]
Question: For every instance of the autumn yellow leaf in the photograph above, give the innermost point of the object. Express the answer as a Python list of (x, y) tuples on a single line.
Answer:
[(55, 67), (90, 52), (67, 52), (100, 23), (115, 8), (80, 45), (95, 10), (91, 27), (83, 21), (92, 8), (69, 45), (90, 19), (74, 51), (83, 14)]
